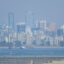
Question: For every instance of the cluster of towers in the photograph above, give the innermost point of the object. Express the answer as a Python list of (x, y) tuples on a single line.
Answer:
[(42, 34)]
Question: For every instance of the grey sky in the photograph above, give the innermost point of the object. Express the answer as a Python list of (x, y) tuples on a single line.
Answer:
[(51, 10)]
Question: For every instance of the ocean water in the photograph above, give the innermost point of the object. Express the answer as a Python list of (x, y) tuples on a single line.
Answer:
[(32, 52)]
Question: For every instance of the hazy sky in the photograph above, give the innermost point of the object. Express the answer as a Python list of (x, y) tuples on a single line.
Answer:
[(51, 10)]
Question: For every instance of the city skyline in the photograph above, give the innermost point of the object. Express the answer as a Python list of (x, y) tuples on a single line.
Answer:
[(31, 22), (31, 31), (42, 34)]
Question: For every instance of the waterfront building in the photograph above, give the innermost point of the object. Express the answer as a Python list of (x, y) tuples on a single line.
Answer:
[(34, 31), (29, 36), (21, 36)]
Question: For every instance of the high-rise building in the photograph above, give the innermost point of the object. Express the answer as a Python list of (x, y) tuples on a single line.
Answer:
[(1, 33), (28, 36), (62, 27), (42, 25), (59, 32), (11, 20), (21, 36), (21, 27)]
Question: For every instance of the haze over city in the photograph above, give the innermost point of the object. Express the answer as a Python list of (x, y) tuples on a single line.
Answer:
[(50, 10), (31, 31)]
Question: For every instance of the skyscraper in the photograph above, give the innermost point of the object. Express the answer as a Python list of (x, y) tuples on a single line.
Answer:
[(21, 27), (11, 20)]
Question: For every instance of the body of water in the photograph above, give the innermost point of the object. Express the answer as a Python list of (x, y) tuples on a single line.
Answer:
[(32, 52)]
